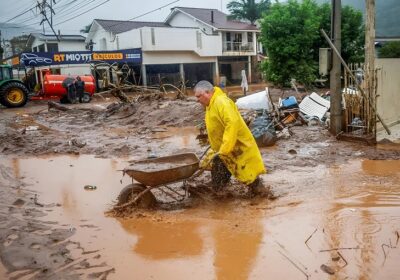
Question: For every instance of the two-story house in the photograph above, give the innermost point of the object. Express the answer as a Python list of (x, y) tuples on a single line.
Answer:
[(192, 43)]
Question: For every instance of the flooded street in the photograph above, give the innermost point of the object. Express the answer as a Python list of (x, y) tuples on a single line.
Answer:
[(337, 206), (353, 206)]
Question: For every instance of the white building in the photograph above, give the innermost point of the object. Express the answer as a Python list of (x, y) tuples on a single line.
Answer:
[(192, 44), (49, 43)]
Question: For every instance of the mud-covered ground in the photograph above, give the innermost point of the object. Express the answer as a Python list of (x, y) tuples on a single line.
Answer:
[(31, 247)]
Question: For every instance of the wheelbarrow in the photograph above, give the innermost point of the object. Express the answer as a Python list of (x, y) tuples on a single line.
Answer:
[(157, 173)]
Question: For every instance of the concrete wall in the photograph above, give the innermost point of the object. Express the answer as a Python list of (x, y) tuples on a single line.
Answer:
[(184, 20), (80, 69), (174, 58), (63, 45), (71, 46), (388, 102), (130, 39), (181, 39), (102, 39), (388, 90)]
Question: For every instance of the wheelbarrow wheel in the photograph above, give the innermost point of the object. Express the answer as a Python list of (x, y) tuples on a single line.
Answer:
[(130, 192)]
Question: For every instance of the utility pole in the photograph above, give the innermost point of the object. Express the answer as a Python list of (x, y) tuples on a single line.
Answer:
[(335, 82), (1, 49), (42, 8), (370, 57)]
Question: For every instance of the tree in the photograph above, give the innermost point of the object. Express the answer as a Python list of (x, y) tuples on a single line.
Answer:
[(289, 32), (390, 50), (86, 29), (18, 44), (353, 34), (247, 9), (291, 35)]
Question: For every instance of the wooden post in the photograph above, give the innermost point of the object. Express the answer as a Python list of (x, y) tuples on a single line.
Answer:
[(370, 60), (335, 82)]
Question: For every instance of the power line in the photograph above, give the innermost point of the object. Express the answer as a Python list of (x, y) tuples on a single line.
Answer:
[(159, 8), (34, 17), (154, 10), (64, 13), (102, 3), (26, 11)]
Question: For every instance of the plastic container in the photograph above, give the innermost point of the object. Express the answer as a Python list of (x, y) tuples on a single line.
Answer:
[(289, 102)]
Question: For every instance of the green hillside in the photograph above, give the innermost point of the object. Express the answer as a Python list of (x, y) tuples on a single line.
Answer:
[(387, 15)]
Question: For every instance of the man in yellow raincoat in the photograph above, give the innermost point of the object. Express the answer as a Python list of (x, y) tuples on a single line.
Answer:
[(233, 148)]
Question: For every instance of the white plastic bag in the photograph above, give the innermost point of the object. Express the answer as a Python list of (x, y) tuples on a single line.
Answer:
[(255, 101)]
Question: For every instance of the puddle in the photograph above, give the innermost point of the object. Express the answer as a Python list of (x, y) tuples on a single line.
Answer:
[(354, 206), (3, 271), (181, 138)]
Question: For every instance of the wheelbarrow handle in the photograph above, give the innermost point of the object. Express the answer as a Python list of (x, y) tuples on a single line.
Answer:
[(202, 169)]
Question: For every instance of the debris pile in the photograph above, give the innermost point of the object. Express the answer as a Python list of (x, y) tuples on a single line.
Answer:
[(269, 121)]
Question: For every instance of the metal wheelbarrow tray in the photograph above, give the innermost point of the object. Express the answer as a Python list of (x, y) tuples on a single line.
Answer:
[(163, 170)]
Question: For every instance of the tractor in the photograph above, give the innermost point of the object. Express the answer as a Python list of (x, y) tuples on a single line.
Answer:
[(13, 92)]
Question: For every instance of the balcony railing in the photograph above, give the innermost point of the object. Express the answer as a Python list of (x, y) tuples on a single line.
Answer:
[(238, 47)]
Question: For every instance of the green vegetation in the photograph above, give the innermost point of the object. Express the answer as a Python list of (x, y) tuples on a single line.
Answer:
[(291, 34), (390, 50), (387, 15), (247, 9)]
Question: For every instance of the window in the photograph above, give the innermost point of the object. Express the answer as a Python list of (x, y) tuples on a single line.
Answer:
[(198, 37), (249, 37), (52, 47), (228, 36), (5, 74), (238, 37), (41, 48), (153, 37)]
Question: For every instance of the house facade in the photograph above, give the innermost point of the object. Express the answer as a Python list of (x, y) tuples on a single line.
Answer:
[(45, 43), (192, 44)]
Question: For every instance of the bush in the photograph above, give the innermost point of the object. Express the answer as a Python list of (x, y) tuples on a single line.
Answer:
[(390, 50), (290, 32)]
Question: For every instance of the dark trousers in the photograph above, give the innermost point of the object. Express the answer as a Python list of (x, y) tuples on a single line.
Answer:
[(80, 95), (71, 94), (220, 175)]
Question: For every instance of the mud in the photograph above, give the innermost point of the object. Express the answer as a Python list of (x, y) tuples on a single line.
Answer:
[(340, 197)]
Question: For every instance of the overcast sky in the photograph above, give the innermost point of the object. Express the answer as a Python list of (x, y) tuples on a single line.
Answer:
[(107, 9)]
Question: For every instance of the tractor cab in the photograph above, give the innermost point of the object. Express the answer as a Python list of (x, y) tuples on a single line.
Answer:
[(5, 73), (13, 92)]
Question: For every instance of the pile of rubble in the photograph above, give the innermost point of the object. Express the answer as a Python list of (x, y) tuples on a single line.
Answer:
[(269, 121)]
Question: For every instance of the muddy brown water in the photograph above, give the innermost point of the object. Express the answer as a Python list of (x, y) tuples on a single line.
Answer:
[(354, 206)]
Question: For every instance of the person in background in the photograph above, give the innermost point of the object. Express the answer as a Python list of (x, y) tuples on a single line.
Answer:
[(233, 148), (71, 92), (79, 87)]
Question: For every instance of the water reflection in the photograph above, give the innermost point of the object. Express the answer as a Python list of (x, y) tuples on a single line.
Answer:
[(232, 239), (359, 218), (350, 205), (164, 240)]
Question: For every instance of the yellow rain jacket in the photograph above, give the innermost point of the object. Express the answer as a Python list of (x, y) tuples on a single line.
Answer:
[(229, 135)]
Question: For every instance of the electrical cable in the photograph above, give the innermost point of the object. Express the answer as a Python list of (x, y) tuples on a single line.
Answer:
[(102, 3)]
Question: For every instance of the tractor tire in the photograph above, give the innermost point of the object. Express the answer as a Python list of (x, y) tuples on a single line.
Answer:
[(129, 193), (86, 97), (13, 95)]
